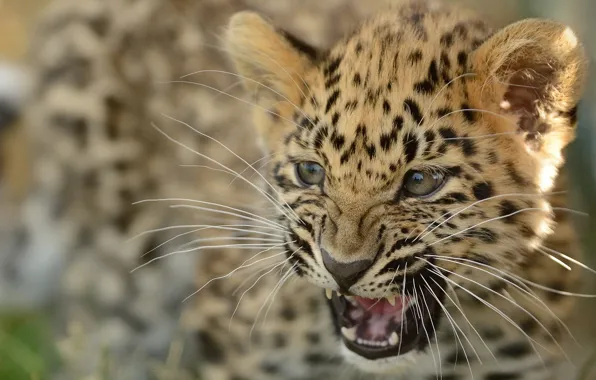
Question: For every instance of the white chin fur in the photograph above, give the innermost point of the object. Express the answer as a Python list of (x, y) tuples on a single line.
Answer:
[(401, 365)]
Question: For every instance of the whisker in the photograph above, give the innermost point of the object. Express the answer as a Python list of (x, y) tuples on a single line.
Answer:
[(235, 246), (234, 271), (256, 82), (199, 208), (435, 331), (254, 284), (526, 292), (553, 258), (253, 217), (568, 258), (271, 295), (252, 165), (432, 102), (437, 271), (488, 221), (233, 53), (229, 238), (481, 201), (417, 305), (513, 303), (236, 98), (297, 218), (459, 308), (449, 316)]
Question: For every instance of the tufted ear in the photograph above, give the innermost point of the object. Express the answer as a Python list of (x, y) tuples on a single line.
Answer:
[(266, 55), (532, 72)]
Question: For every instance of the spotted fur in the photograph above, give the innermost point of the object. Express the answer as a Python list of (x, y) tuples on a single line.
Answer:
[(420, 86)]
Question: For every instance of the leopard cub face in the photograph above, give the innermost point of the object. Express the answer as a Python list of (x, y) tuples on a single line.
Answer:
[(417, 144)]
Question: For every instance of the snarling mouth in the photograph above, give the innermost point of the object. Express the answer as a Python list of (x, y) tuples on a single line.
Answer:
[(386, 327)]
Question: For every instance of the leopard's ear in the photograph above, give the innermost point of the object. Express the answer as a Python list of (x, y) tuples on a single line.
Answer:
[(267, 56), (532, 74)]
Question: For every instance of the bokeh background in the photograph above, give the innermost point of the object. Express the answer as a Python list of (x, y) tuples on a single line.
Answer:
[(27, 350)]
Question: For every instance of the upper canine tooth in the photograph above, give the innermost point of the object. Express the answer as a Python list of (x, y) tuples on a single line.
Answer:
[(349, 334), (329, 293), (393, 339), (391, 300)]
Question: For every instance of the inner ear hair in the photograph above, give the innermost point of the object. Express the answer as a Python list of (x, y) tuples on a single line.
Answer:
[(533, 70)]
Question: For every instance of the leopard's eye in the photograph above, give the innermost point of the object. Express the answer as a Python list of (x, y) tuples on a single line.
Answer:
[(310, 173), (421, 184)]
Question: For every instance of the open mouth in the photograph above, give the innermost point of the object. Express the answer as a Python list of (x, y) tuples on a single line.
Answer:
[(386, 327)]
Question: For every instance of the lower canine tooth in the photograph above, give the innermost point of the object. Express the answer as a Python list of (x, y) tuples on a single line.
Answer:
[(393, 339), (329, 293), (349, 334), (391, 300)]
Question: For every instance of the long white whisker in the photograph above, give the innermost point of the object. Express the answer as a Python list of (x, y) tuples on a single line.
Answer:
[(245, 214), (486, 303), (236, 98), (417, 306), (488, 221), (241, 159), (267, 196), (568, 258), (439, 93), (252, 166), (228, 238), (234, 271), (449, 316), (435, 331), (512, 302), (532, 297), (481, 201), (271, 296), (258, 83), (236, 246)]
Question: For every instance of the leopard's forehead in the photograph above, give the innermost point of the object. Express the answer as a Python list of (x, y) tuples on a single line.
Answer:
[(382, 96)]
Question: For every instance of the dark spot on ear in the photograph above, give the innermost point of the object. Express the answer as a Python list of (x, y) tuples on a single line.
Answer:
[(482, 190), (301, 46)]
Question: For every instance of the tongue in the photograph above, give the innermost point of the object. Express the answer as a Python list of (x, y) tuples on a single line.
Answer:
[(382, 306)]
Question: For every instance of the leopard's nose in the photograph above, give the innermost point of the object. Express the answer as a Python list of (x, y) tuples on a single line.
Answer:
[(345, 274)]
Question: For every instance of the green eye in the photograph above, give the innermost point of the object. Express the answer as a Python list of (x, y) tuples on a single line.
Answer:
[(420, 184), (310, 173)]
